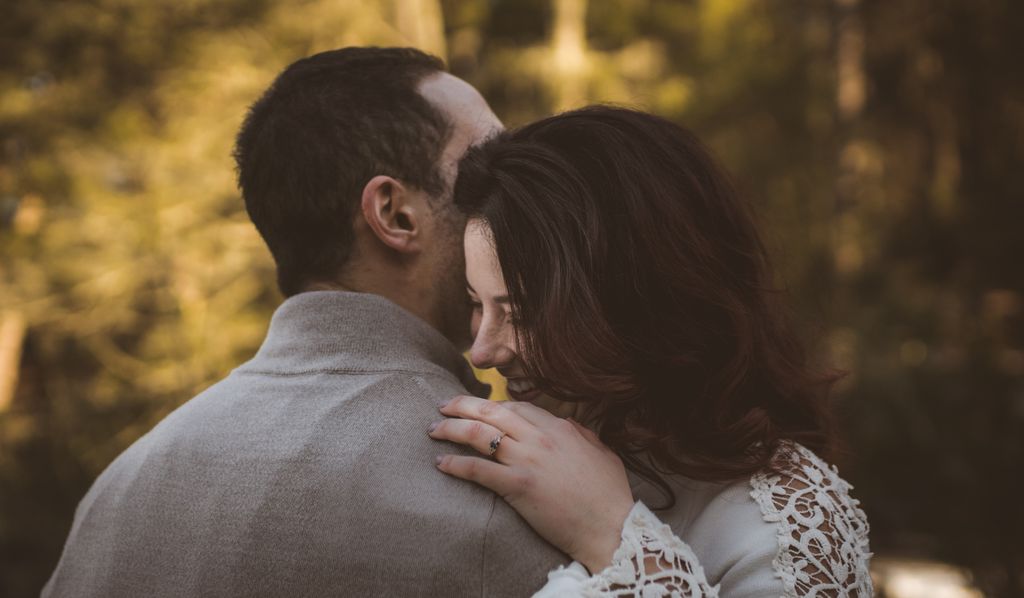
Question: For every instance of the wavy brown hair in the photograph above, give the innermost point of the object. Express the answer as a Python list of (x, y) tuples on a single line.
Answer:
[(639, 282)]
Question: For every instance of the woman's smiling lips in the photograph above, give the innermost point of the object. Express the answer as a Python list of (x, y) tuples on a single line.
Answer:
[(522, 389)]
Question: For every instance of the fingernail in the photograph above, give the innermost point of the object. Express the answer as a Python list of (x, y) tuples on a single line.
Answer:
[(445, 404), (432, 427), (438, 459)]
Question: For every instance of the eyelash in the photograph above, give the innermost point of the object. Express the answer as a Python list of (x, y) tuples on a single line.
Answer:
[(508, 313)]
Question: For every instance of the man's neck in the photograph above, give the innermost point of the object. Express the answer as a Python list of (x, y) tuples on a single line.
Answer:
[(328, 286), (400, 298)]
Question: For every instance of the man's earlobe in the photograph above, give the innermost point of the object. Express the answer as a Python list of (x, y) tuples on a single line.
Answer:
[(390, 212)]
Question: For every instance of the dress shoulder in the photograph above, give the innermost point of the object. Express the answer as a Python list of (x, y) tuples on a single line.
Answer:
[(821, 530)]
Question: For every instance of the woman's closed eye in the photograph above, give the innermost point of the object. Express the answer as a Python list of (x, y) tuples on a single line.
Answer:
[(478, 306)]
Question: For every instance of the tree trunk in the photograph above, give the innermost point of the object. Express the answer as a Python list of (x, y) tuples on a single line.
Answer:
[(12, 335), (850, 95), (569, 53), (422, 23)]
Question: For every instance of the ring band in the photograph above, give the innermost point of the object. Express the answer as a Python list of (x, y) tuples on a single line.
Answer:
[(496, 443)]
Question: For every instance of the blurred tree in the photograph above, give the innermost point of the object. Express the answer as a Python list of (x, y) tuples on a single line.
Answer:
[(135, 269), (878, 140), (937, 414)]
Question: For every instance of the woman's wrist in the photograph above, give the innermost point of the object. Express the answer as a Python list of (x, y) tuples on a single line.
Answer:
[(598, 552)]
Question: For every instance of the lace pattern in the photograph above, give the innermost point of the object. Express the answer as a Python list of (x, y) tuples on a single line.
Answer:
[(651, 562), (822, 532)]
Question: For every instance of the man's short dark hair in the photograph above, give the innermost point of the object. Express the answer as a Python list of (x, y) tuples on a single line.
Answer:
[(326, 126)]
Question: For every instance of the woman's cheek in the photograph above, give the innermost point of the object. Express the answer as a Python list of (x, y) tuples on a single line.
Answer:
[(474, 322)]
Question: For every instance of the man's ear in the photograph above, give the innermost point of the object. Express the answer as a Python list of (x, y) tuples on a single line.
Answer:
[(393, 213)]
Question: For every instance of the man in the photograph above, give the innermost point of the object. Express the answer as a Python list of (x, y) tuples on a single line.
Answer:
[(308, 470)]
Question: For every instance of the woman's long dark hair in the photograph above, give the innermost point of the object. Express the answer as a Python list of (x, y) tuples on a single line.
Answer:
[(639, 282)]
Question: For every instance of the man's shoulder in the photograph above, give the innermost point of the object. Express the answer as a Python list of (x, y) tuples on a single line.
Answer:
[(254, 394), (310, 471)]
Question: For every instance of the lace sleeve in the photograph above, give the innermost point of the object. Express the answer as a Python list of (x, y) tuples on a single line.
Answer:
[(822, 532), (651, 562)]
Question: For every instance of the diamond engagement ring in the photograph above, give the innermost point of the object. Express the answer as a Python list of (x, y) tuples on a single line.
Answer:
[(496, 443)]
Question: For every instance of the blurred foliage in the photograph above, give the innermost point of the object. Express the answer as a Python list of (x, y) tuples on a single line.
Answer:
[(881, 141)]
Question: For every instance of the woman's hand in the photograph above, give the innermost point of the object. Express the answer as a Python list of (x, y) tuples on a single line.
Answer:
[(557, 474)]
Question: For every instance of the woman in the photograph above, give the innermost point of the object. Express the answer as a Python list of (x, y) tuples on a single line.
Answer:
[(618, 281)]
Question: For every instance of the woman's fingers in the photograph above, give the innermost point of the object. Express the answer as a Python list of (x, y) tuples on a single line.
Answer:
[(489, 474), (475, 434), (491, 413)]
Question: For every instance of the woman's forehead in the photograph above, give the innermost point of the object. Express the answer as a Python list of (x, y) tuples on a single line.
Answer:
[(483, 272)]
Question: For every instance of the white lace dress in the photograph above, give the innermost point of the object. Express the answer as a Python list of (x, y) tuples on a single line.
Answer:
[(820, 544)]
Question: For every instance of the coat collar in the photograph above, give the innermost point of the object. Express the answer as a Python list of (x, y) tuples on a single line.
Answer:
[(340, 331)]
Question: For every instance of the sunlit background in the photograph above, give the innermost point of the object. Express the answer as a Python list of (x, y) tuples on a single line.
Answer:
[(882, 142)]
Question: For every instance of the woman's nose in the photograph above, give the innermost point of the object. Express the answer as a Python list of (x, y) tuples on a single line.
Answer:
[(490, 350)]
